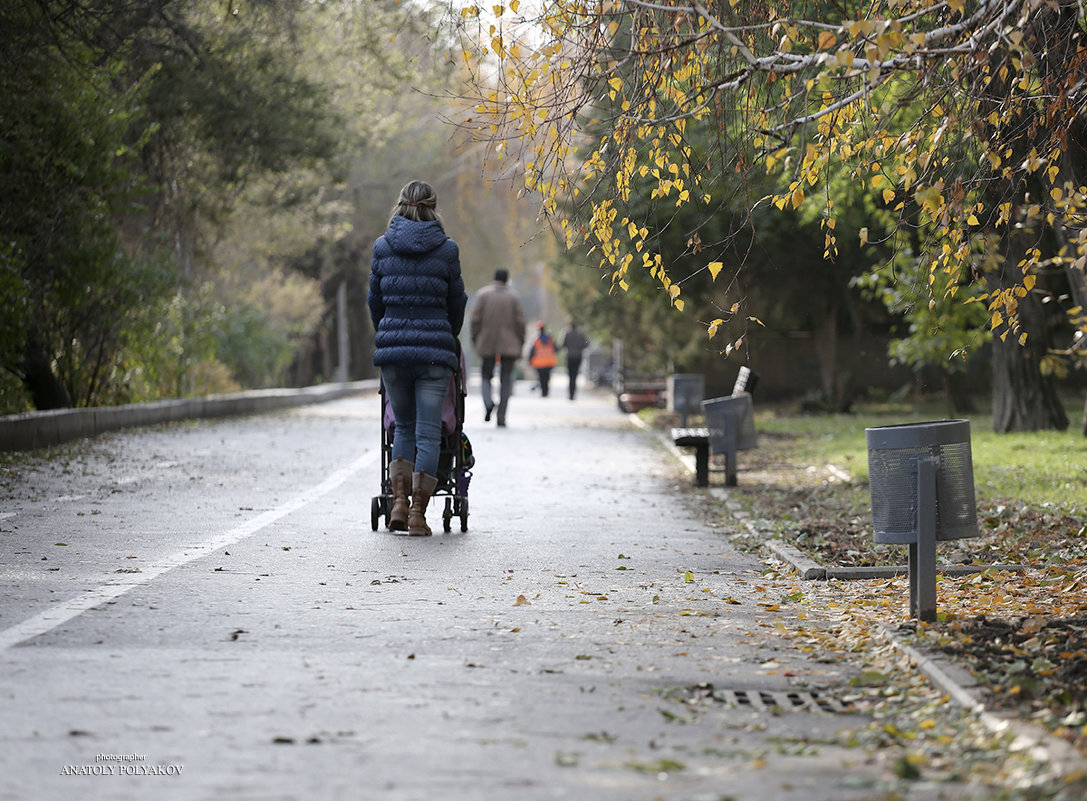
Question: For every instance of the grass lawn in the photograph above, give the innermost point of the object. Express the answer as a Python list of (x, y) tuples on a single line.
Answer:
[(1044, 468)]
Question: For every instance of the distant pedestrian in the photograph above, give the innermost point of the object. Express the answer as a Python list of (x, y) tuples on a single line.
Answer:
[(417, 303), (542, 355), (498, 336), (574, 342)]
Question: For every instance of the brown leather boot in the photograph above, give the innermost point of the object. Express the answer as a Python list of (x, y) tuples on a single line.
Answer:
[(422, 487), (400, 478)]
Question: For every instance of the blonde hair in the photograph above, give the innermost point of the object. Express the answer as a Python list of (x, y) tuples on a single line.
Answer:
[(418, 201)]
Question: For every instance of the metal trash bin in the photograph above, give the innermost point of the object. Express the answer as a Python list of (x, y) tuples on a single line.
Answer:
[(893, 452), (731, 422), (921, 481), (685, 393)]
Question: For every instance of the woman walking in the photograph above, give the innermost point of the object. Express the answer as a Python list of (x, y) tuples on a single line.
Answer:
[(417, 302)]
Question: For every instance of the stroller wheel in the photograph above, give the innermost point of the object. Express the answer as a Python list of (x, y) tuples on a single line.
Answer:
[(447, 516), (375, 511), (463, 515)]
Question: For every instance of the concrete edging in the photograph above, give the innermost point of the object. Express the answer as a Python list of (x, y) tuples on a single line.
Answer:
[(32, 430), (1044, 747)]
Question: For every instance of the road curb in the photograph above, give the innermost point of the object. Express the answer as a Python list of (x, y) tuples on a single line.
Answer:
[(1062, 758), (32, 430)]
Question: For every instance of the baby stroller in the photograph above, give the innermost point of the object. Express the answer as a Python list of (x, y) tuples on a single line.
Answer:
[(455, 459)]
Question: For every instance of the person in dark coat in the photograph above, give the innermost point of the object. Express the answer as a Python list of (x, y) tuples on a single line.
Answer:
[(574, 342), (497, 328), (417, 302)]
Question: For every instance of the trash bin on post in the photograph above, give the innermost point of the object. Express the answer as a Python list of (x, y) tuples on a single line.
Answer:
[(685, 393), (921, 480), (731, 422)]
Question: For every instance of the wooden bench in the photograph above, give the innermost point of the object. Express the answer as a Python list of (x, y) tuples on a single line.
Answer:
[(699, 439)]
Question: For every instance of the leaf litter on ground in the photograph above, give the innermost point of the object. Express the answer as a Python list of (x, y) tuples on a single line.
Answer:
[(1021, 633)]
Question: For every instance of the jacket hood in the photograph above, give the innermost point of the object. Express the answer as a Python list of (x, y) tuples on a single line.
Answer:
[(409, 236)]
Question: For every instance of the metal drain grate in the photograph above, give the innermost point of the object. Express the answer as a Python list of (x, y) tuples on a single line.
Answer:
[(790, 700), (767, 700)]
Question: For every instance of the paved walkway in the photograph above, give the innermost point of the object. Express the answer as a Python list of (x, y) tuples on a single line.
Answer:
[(208, 604)]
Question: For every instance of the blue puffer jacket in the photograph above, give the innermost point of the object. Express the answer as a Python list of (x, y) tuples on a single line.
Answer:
[(417, 295)]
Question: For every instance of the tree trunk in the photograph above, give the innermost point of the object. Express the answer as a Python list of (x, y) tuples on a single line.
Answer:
[(825, 340), (1077, 282), (1023, 398), (46, 390)]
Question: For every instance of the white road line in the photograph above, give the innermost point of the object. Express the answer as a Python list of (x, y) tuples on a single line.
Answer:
[(56, 616)]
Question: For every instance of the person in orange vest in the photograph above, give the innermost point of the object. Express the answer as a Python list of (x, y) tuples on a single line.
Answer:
[(543, 356)]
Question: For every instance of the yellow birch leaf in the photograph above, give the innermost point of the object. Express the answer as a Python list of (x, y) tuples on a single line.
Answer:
[(712, 332), (827, 40), (888, 196), (714, 268), (1029, 281), (972, 220), (864, 237)]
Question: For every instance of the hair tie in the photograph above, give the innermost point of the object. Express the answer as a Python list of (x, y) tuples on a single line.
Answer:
[(405, 203)]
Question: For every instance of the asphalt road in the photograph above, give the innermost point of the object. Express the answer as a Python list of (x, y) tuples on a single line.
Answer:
[(201, 611)]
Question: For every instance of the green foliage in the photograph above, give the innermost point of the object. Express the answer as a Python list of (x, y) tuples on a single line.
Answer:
[(66, 173), (150, 150), (940, 329), (15, 292), (199, 345), (954, 118), (125, 126)]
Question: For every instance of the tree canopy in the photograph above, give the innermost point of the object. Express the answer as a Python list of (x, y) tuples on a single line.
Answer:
[(962, 120), (170, 169)]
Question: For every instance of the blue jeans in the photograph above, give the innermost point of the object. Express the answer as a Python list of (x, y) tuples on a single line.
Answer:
[(417, 396)]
